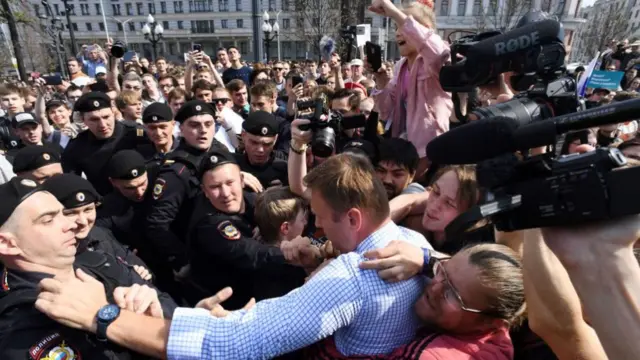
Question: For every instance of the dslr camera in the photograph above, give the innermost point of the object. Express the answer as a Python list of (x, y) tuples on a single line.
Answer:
[(326, 125), (118, 49)]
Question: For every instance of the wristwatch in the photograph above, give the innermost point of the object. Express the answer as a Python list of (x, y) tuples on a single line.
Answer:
[(106, 315)]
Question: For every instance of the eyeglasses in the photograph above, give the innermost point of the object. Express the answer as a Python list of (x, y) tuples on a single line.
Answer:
[(449, 292), (219, 101), (278, 68), (134, 88)]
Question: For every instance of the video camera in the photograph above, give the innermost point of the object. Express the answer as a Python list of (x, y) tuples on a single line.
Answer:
[(534, 53), (118, 49), (544, 190), (326, 129)]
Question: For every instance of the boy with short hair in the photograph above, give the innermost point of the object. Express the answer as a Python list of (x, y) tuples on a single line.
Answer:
[(280, 214), (129, 103)]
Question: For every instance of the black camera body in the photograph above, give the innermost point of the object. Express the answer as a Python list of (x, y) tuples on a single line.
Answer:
[(118, 49), (326, 128)]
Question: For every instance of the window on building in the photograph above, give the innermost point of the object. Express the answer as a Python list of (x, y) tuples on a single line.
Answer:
[(116, 9), (120, 27), (139, 8), (224, 24), (101, 26), (172, 49), (152, 8), (84, 8), (142, 23), (272, 5), (300, 22), (244, 47), (74, 26), (286, 5), (165, 25), (462, 7), (98, 9), (177, 7), (132, 26), (477, 7), (239, 23), (286, 23), (223, 5), (89, 27), (163, 7), (238, 5), (444, 8), (180, 25), (129, 8), (56, 9), (200, 5), (202, 27)]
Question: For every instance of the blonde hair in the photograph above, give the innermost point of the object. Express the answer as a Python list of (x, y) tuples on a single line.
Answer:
[(274, 207), (423, 14), (127, 97)]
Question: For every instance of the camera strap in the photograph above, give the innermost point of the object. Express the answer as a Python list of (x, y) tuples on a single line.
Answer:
[(467, 220)]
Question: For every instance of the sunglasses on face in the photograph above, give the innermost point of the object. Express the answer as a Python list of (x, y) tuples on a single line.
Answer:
[(278, 69), (219, 101)]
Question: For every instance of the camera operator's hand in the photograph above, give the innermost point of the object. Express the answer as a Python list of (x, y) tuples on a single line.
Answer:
[(300, 137), (296, 92), (195, 57), (381, 77), (584, 245)]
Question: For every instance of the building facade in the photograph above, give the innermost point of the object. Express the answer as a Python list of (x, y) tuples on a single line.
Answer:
[(222, 23)]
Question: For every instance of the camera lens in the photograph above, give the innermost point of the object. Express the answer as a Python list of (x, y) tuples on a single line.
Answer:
[(324, 142), (524, 110), (118, 49)]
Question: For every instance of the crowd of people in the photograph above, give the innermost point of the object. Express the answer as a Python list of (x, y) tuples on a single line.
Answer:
[(228, 210)]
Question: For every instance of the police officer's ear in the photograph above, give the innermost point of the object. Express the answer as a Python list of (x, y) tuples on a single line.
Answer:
[(242, 179), (8, 242)]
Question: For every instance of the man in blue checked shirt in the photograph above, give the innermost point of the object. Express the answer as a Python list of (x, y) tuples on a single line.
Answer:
[(364, 314)]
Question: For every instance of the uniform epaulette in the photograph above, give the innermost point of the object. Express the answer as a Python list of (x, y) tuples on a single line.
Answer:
[(140, 132), (169, 162)]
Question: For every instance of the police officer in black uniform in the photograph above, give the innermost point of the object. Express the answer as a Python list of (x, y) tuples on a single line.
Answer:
[(77, 195), (92, 149), (158, 123), (26, 333), (259, 157), (123, 210), (175, 189), (222, 250), (37, 163)]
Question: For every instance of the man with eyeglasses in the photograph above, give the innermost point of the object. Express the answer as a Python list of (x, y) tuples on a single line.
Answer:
[(278, 76), (132, 82), (73, 93), (228, 123), (166, 84)]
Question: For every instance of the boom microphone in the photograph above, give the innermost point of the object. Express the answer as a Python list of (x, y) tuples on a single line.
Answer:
[(545, 132), (474, 142)]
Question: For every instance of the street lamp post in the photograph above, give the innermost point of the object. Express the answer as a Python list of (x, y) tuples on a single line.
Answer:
[(68, 9), (124, 28), (153, 31), (267, 29), (54, 30)]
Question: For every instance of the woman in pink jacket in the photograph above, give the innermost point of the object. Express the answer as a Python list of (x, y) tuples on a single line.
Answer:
[(413, 100)]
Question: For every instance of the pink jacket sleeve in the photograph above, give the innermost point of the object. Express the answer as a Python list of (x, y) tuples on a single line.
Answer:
[(434, 51)]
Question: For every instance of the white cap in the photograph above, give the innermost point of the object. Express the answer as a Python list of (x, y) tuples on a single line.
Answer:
[(101, 70), (357, 62)]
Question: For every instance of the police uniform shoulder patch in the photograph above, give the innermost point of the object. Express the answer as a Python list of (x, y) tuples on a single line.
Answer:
[(52, 347), (228, 230), (158, 188)]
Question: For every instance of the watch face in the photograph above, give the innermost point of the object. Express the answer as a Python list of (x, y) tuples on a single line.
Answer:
[(108, 312)]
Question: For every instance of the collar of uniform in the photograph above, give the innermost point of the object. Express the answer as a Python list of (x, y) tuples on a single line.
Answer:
[(13, 279), (379, 238), (260, 167), (190, 149)]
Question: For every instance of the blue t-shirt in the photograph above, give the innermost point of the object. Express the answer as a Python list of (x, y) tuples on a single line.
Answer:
[(243, 74)]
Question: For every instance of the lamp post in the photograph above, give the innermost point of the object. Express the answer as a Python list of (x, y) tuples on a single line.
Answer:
[(152, 31), (54, 29), (124, 28), (267, 29)]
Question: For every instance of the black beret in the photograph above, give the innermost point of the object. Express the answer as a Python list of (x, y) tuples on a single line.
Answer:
[(157, 112), (13, 193), (193, 108), (360, 146), (92, 101), (126, 165), (261, 123), (54, 103), (34, 157), (71, 190), (22, 118), (216, 158)]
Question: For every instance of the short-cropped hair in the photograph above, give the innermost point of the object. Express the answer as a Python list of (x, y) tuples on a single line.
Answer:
[(346, 182), (274, 207)]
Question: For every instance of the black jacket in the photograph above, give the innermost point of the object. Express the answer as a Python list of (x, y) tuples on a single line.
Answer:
[(26, 333)]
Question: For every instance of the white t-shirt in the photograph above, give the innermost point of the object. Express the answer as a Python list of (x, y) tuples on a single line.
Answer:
[(235, 122)]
